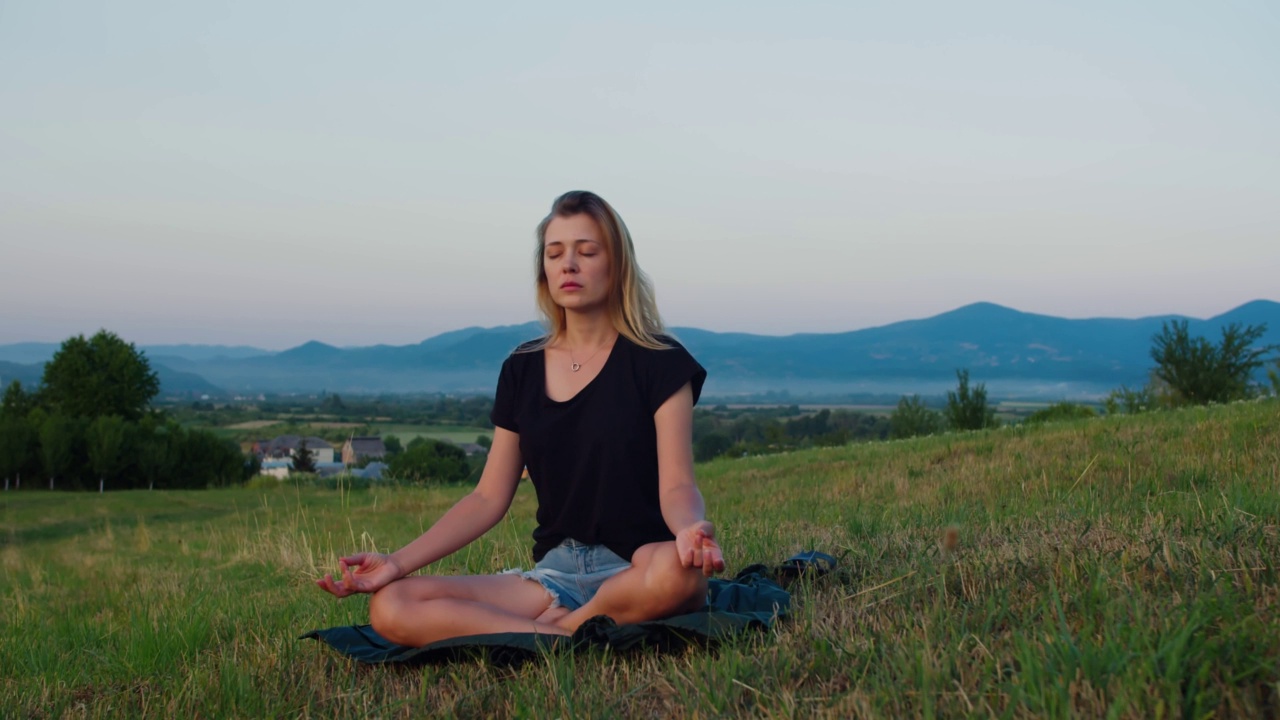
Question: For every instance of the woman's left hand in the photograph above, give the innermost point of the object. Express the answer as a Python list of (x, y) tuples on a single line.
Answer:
[(698, 548)]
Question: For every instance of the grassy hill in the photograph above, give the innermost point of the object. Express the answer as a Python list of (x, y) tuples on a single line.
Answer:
[(1118, 566)]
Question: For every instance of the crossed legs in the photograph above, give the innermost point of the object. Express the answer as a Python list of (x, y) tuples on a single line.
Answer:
[(420, 610)]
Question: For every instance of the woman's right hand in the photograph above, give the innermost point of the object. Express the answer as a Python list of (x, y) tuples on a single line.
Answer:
[(362, 573)]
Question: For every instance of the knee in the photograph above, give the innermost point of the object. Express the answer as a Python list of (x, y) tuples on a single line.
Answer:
[(385, 609), (678, 588)]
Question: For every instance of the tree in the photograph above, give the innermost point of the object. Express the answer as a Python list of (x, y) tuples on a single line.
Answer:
[(17, 403), (61, 438), (17, 448), (304, 461), (107, 437), (393, 446), (159, 452), (207, 460), (912, 417), (711, 445), (1199, 372), (484, 441), (431, 461), (97, 377), (967, 407)]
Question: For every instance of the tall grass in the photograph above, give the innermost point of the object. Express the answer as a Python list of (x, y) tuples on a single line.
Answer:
[(1120, 567)]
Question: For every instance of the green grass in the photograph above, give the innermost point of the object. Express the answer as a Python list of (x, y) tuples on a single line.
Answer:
[(451, 433), (1118, 567)]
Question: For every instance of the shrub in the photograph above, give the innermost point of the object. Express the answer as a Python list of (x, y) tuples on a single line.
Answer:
[(912, 418), (1061, 411), (430, 461)]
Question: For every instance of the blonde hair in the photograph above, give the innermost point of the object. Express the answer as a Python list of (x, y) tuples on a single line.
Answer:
[(631, 304)]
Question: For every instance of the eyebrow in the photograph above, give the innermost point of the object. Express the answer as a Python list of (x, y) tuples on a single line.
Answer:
[(579, 241)]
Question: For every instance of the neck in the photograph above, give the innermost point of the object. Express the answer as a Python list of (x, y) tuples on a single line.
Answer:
[(587, 331)]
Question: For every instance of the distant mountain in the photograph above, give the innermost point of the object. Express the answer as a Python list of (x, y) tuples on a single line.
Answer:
[(173, 383), (28, 375), (1012, 352)]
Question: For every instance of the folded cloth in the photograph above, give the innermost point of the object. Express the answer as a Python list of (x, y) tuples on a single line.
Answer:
[(750, 601)]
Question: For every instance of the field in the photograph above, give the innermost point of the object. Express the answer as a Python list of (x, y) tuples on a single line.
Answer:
[(451, 433), (1120, 567)]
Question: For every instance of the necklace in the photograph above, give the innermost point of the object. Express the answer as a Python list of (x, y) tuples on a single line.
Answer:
[(576, 366)]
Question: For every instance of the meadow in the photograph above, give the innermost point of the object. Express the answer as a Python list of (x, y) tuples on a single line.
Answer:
[(1119, 566)]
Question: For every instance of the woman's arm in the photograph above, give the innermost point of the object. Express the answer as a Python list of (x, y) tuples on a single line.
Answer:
[(468, 519), (682, 505)]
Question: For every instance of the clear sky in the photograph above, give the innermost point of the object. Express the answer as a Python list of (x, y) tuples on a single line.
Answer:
[(268, 173)]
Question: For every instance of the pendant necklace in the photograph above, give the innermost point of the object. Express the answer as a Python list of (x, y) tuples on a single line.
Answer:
[(576, 366)]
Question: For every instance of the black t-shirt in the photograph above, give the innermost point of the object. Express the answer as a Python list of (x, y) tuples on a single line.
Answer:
[(593, 459)]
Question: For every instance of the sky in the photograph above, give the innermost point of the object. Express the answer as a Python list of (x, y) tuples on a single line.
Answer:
[(268, 173)]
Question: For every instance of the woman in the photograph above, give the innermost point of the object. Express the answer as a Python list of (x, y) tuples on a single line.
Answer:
[(600, 410)]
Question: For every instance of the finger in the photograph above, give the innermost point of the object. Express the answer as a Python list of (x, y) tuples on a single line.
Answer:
[(686, 554), (329, 586), (348, 579)]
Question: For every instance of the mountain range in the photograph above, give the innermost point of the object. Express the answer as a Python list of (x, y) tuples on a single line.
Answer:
[(1016, 354)]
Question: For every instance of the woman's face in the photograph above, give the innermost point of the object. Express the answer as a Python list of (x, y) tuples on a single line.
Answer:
[(576, 262)]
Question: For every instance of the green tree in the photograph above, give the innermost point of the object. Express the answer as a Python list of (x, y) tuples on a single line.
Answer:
[(17, 403), (101, 376), (61, 440), (431, 461), (107, 437), (304, 461), (159, 452), (711, 445), (206, 460), (912, 417), (484, 441), (17, 448), (967, 406), (1199, 372), (393, 446)]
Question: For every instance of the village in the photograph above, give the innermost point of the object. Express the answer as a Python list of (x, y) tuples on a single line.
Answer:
[(362, 457)]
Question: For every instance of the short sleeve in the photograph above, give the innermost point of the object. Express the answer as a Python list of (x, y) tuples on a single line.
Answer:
[(670, 370), (503, 414)]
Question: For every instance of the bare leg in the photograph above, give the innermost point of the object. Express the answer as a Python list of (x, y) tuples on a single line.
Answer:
[(655, 586), (420, 610)]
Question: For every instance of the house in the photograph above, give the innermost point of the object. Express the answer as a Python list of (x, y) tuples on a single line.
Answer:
[(278, 469), (360, 448), (473, 449), (284, 447)]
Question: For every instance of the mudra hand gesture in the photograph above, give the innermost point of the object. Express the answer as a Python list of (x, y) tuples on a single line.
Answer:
[(697, 547), (372, 572)]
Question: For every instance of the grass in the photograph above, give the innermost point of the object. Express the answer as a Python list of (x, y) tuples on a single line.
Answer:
[(450, 433), (1119, 567)]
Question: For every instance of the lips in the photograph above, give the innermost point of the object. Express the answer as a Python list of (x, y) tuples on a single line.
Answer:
[(570, 286)]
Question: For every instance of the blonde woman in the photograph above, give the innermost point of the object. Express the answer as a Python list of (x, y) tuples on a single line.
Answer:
[(600, 411)]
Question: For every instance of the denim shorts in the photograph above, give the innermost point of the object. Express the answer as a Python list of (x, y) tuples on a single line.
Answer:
[(572, 572)]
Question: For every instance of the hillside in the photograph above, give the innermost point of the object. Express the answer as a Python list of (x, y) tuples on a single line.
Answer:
[(1115, 567)]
